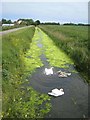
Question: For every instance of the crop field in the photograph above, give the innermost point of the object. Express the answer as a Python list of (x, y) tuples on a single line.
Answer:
[(74, 41)]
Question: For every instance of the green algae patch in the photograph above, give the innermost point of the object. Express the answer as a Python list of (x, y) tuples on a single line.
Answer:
[(55, 56), (32, 56)]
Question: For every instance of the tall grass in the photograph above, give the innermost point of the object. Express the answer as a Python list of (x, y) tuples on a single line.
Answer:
[(19, 101), (74, 41)]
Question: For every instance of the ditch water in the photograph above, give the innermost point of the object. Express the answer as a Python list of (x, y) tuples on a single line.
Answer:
[(74, 103)]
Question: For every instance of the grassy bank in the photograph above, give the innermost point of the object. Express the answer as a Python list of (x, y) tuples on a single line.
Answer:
[(20, 57), (74, 41)]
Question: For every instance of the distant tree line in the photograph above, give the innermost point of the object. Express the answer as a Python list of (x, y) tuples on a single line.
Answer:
[(29, 22), (79, 24), (50, 23), (4, 21), (37, 22), (23, 22)]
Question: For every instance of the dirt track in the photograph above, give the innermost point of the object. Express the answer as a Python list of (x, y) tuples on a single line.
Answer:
[(12, 30)]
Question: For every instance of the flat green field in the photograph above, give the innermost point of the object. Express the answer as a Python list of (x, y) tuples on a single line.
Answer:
[(74, 41)]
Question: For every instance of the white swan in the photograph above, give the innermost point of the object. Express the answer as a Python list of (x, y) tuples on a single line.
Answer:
[(49, 71), (56, 92)]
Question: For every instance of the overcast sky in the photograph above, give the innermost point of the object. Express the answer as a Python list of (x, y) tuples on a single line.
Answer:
[(76, 12)]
